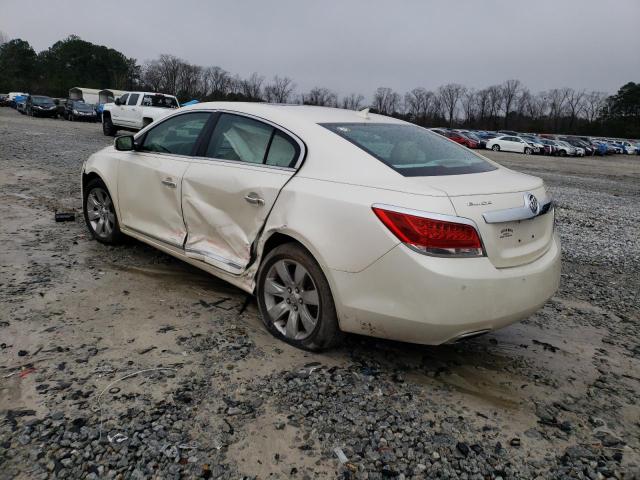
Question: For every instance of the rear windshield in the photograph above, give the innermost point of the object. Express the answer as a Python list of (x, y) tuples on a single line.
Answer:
[(160, 101), (410, 150)]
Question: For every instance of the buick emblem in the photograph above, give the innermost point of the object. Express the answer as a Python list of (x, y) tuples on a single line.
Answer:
[(531, 201)]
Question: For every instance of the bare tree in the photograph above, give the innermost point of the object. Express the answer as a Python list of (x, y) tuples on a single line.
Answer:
[(510, 90), (4, 38), (252, 86), (279, 90), (320, 96), (216, 81), (190, 81), (386, 101), (450, 95), (575, 104), (594, 102), (482, 102), (495, 103), (353, 101), (470, 106), (557, 98)]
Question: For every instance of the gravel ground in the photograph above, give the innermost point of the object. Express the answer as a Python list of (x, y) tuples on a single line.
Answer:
[(125, 363)]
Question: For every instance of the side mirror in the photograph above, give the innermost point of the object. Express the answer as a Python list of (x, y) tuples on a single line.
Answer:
[(117, 101), (125, 143)]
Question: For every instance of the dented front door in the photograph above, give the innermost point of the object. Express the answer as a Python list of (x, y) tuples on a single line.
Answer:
[(225, 205)]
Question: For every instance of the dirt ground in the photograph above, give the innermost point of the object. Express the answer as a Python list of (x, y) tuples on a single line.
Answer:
[(555, 396)]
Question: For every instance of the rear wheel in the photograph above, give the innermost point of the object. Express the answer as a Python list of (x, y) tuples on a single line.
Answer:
[(100, 214), (496, 148), (295, 300)]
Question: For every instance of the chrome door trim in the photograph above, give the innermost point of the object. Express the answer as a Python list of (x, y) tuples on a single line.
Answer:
[(157, 239), (215, 257), (517, 213)]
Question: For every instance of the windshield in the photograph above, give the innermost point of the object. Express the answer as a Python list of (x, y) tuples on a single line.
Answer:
[(160, 101), (42, 101), (410, 150)]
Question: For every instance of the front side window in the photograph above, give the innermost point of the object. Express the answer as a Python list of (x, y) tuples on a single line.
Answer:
[(239, 138), (133, 99), (411, 150), (123, 99), (177, 135)]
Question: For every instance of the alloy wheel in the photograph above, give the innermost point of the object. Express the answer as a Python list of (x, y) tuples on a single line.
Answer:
[(100, 212), (291, 299)]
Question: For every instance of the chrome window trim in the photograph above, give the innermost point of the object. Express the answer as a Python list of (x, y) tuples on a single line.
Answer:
[(436, 216), (301, 144), (517, 213)]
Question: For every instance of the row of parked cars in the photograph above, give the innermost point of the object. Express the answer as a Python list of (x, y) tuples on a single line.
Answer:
[(543, 144), (44, 106)]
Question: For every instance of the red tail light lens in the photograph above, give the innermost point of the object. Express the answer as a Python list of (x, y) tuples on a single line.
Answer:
[(431, 235)]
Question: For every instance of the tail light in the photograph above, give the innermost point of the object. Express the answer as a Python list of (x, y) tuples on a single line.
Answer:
[(431, 234)]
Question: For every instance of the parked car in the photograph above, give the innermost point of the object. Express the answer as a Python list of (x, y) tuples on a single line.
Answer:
[(582, 147), (462, 139), (136, 110), (508, 143), (77, 110), (263, 197), (41, 106), (536, 143), (550, 146), (21, 104), (4, 99), (564, 149), (511, 133), (482, 143), (12, 96)]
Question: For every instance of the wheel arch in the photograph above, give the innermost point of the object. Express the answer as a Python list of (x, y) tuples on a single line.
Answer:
[(281, 237)]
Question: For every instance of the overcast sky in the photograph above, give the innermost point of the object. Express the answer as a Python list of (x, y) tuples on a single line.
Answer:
[(358, 45)]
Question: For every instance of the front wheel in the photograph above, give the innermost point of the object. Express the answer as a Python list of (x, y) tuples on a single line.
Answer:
[(107, 127), (295, 300), (562, 153), (100, 214), (496, 148), (527, 151)]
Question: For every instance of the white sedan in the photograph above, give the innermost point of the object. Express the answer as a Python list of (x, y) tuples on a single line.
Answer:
[(509, 144), (338, 221)]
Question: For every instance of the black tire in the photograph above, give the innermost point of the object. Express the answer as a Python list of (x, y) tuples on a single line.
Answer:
[(528, 151), (562, 153), (496, 148), (326, 333), (115, 236), (108, 128)]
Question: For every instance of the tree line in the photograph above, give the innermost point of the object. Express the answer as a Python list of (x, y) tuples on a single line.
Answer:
[(509, 105)]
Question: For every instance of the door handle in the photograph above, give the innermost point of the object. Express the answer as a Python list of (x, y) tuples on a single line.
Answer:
[(254, 199), (169, 183)]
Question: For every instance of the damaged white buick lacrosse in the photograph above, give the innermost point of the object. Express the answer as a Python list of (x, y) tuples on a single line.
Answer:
[(338, 221)]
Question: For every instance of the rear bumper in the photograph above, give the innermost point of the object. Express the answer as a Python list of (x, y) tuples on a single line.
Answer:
[(415, 298)]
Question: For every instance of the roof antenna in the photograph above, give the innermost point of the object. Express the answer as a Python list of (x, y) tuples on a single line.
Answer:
[(364, 113)]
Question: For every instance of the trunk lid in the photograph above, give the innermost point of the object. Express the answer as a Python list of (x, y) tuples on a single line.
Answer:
[(507, 243)]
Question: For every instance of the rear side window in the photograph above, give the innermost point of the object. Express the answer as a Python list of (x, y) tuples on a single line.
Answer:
[(239, 138), (177, 135), (410, 150), (283, 151)]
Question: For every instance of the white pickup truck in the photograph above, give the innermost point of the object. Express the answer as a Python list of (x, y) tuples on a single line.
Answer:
[(136, 110)]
